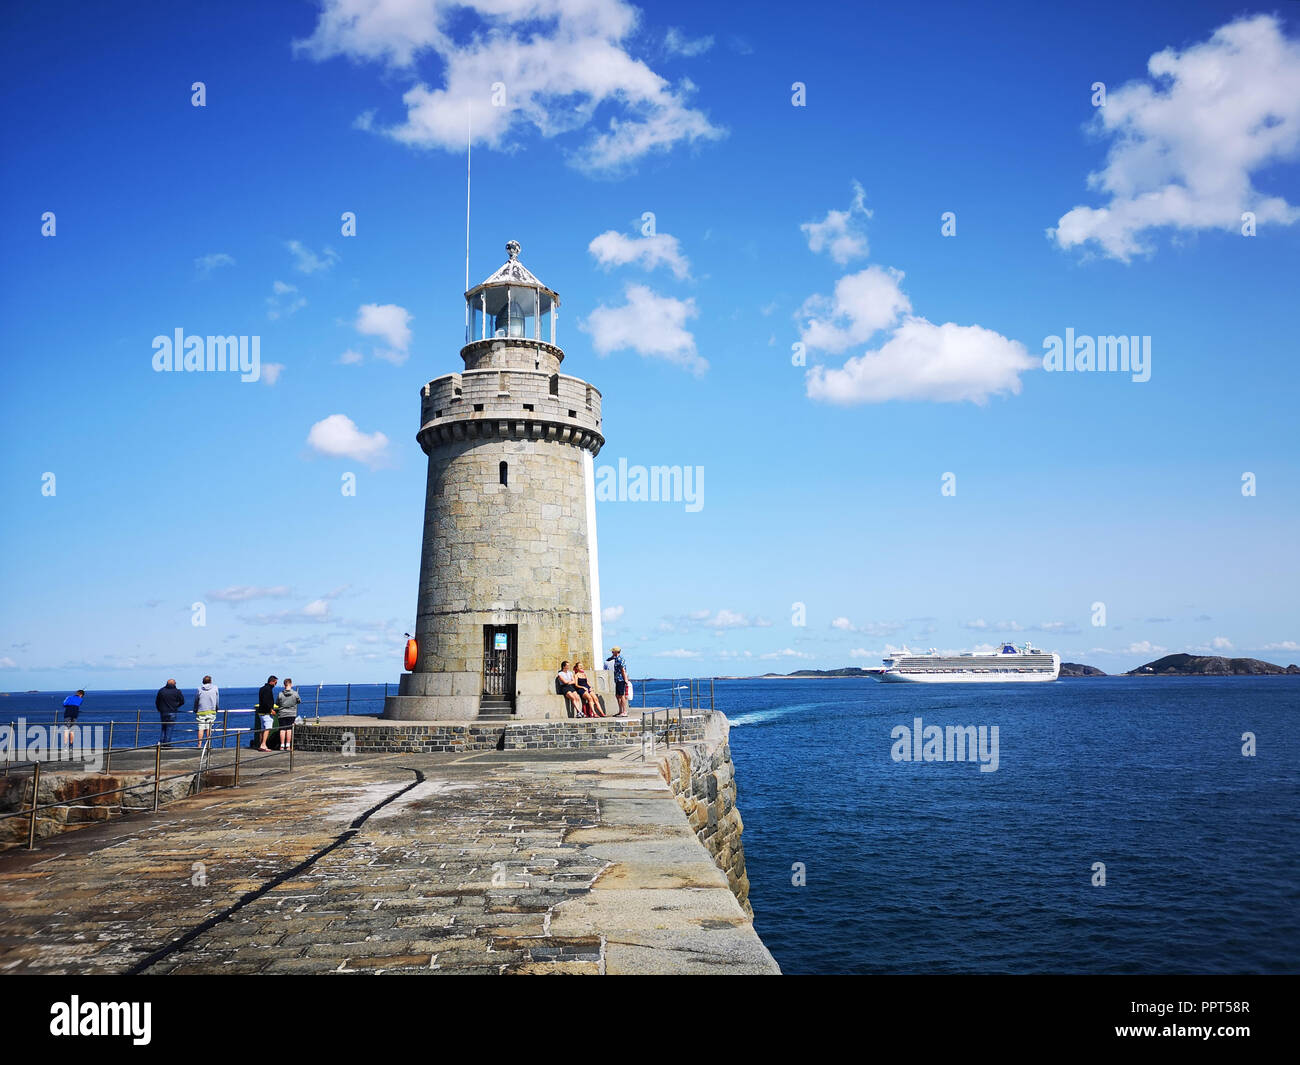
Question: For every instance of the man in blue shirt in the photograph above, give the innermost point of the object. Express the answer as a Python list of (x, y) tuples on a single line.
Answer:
[(71, 711), (620, 679)]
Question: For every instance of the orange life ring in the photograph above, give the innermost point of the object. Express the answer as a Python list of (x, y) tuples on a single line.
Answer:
[(412, 653)]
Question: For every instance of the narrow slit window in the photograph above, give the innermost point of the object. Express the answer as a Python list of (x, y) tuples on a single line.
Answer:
[(555, 384), (504, 473), (589, 397), (503, 383)]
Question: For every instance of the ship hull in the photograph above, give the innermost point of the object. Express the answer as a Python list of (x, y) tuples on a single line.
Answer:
[(890, 676)]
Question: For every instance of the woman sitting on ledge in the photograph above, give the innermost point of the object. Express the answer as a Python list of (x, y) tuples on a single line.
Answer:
[(590, 703), (567, 685)]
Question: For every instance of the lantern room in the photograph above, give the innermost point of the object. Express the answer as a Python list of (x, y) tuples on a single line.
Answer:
[(511, 304)]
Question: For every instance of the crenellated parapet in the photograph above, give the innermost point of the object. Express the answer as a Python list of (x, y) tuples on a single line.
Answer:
[(516, 404)]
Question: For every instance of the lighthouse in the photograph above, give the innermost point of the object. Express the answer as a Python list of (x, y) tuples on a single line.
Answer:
[(509, 581)]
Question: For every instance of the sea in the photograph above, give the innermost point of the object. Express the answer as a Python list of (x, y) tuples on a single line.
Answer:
[(1124, 830)]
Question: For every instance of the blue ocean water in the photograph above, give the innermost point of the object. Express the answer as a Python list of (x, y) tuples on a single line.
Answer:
[(937, 867)]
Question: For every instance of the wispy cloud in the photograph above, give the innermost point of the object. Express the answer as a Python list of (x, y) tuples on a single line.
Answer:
[(307, 261), (206, 265)]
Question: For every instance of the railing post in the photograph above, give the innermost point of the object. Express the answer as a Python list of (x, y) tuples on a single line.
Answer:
[(108, 757), (36, 791), (348, 708), (712, 680), (157, 772), (237, 747), (136, 741), (225, 727), (318, 702), (292, 747)]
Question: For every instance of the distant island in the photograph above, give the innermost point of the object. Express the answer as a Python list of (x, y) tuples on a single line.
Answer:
[(845, 671), (1180, 665), (1074, 669), (1185, 665)]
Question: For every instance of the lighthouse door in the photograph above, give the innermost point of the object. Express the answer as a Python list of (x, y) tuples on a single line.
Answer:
[(499, 657)]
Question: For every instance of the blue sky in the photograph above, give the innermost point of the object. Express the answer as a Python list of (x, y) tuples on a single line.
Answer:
[(773, 225)]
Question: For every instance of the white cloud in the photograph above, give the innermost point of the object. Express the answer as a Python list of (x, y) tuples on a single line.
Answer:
[(307, 261), (284, 300), (863, 304), (392, 323), (677, 43), (351, 358), (649, 324), (922, 361), (1145, 647), (680, 652), (862, 652), (726, 619), (7, 663), (204, 265), (1221, 643), (559, 61), (338, 437), (271, 372), (317, 608), (786, 652), (241, 593), (841, 233), (614, 249), (1187, 144), (1284, 645), (869, 628), (611, 613)]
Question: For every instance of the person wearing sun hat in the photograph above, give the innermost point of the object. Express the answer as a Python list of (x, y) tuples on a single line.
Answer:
[(620, 679)]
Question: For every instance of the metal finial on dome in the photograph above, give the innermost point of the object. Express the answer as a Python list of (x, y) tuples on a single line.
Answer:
[(512, 249)]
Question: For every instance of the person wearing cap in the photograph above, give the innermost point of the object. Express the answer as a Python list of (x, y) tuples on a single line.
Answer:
[(620, 679)]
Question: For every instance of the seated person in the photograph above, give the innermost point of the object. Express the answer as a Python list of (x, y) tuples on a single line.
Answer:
[(589, 701), (567, 686)]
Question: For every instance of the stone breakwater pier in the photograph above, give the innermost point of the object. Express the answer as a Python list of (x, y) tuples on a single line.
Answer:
[(470, 859)]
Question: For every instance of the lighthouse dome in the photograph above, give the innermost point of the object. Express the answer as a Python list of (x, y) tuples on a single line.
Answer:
[(511, 304)]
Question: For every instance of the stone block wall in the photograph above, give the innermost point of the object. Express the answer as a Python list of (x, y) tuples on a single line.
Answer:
[(703, 779), (83, 798), (437, 737)]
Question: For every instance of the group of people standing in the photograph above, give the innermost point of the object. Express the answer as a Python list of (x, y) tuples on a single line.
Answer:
[(577, 691), (276, 713)]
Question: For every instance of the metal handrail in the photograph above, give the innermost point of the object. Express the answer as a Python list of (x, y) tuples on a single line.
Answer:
[(158, 778), (666, 733)]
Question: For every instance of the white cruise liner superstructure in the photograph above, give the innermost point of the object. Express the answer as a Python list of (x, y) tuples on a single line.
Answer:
[(1010, 665)]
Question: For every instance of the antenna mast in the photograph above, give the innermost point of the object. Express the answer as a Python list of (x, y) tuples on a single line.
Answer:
[(469, 147)]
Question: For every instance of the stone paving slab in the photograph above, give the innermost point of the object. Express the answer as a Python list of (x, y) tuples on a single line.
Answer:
[(406, 863)]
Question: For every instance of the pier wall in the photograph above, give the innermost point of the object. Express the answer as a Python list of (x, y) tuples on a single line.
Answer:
[(703, 779)]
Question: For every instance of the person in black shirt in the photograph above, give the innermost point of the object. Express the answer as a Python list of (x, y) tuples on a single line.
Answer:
[(168, 700), (266, 714)]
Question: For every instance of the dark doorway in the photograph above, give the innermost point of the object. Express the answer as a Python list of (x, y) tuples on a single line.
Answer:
[(500, 654)]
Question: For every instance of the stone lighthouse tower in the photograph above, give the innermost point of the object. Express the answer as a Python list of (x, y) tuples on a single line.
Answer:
[(508, 572)]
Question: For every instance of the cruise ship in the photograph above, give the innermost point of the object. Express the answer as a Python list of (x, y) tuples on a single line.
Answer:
[(1010, 665)]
